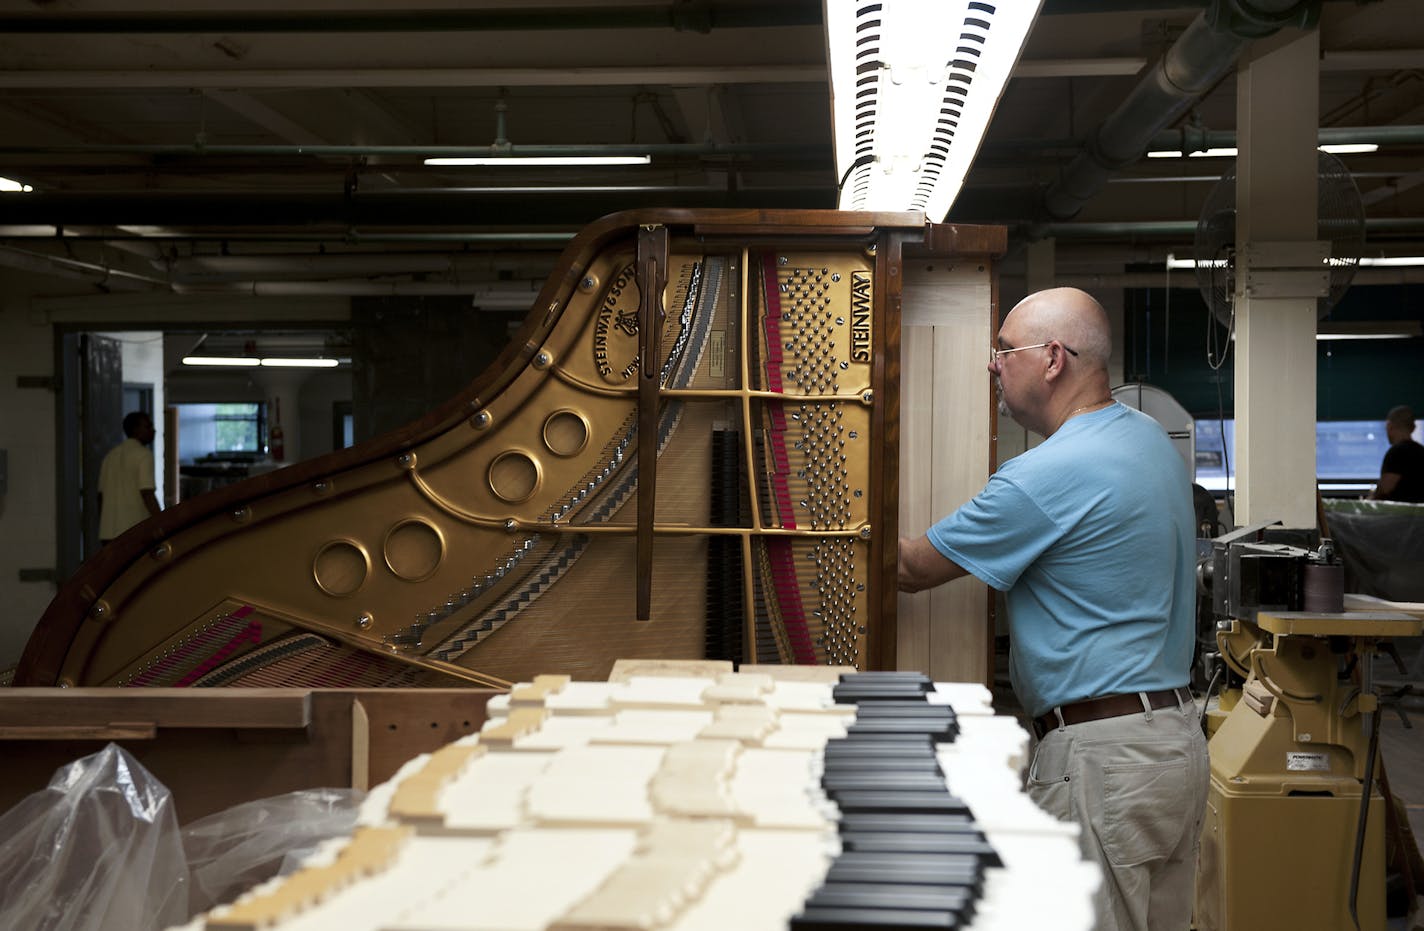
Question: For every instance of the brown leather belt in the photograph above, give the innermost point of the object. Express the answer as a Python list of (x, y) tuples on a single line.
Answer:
[(1111, 706)]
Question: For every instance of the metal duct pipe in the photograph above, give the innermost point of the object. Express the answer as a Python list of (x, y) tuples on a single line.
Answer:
[(1196, 61)]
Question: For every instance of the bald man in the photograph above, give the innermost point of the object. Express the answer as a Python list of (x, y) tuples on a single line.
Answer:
[(1091, 535)]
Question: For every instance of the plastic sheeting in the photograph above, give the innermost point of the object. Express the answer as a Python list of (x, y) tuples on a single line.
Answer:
[(1382, 545), (97, 849), (100, 848), (234, 850)]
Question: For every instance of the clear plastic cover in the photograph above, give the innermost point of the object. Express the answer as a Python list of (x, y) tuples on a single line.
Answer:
[(97, 849), (100, 848), (234, 850)]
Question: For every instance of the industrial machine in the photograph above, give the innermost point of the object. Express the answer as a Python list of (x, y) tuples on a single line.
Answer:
[(1294, 834)]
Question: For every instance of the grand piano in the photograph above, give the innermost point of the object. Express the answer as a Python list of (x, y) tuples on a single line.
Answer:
[(690, 449)]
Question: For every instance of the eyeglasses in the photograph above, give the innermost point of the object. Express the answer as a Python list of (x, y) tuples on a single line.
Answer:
[(994, 354)]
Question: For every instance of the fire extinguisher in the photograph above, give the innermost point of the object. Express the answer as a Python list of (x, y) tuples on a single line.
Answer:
[(279, 449)]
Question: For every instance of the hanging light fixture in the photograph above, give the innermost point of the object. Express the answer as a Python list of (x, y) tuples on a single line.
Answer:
[(914, 84)]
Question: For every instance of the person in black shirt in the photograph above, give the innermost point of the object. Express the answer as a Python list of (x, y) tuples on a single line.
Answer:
[(1402, 472)]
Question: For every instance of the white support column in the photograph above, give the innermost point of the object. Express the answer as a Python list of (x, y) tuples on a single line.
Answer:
[(1277, 112)]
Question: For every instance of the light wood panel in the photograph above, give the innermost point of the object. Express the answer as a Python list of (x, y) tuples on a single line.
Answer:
[(946, 424)]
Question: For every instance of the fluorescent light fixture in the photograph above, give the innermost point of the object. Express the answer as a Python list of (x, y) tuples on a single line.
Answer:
[(1343, 148), (1368, 329), (229, 361), (540, 161), (1394, 261), (914, 84), (1174, 262), (269, 362), (10, 184), (284, 363)]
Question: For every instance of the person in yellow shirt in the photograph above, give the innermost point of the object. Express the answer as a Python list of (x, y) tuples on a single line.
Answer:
[(126, 485)]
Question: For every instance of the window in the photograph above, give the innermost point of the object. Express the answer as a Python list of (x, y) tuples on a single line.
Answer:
[(1347, 454), (207, 430)]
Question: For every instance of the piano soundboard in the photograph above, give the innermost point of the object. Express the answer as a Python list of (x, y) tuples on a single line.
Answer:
[(695, 798)]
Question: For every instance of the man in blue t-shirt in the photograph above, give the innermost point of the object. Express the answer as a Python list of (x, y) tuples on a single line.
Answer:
[(1091, 535)]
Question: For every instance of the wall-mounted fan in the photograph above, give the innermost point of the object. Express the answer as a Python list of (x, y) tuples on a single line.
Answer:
[(1341, 223)]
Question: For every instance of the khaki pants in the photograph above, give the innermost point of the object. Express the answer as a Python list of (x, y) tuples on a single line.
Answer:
[(1136, 785)]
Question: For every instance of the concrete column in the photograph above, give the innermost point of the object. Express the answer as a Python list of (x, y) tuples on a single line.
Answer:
[(1277, 108)]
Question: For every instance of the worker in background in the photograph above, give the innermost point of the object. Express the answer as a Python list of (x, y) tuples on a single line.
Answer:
[(126, 485), (1402, 472), (1092, 536)]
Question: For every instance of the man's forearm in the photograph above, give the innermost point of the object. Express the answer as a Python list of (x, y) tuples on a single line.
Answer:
[(921, 566)]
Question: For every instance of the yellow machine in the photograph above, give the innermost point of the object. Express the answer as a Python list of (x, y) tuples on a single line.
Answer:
[(1283, 843)]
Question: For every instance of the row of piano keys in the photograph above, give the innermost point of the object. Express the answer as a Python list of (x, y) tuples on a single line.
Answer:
[(700, 799)]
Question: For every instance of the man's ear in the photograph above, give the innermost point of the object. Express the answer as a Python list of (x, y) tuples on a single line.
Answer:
[(1056, 358)]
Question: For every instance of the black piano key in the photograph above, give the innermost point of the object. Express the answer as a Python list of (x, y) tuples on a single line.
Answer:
[(888, 675), (935, 824), (955, 899), (870, 781), (871, 764), (913, 709), (909, 801), (874, 728), (920, 842), (967, 875), (900, 743), (856, 694), (879, 919)]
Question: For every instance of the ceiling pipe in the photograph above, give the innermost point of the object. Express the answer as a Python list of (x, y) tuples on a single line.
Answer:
[(792, 150), (1197, 138), (484, 295), (1195, 62), (700, 16), (92, 272)]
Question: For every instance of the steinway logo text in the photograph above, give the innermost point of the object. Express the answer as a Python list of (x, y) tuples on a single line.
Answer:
[(624, 320), (859, 316)]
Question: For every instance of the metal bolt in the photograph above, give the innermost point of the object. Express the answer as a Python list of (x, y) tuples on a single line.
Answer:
[(865, 532), (405, 460), (867, 396), (364, 620), (510, 524)]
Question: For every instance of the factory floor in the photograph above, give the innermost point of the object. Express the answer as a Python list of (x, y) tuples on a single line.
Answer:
[(1401, 745)]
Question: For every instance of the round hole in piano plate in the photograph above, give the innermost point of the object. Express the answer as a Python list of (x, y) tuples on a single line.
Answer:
[(340, 568), (566, 433), (514, 476), (414, 550)]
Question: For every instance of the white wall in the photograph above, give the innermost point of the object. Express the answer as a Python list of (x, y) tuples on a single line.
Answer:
[(27, 434)]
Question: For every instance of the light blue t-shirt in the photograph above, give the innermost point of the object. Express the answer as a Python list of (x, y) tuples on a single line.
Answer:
[(1092, 536)]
